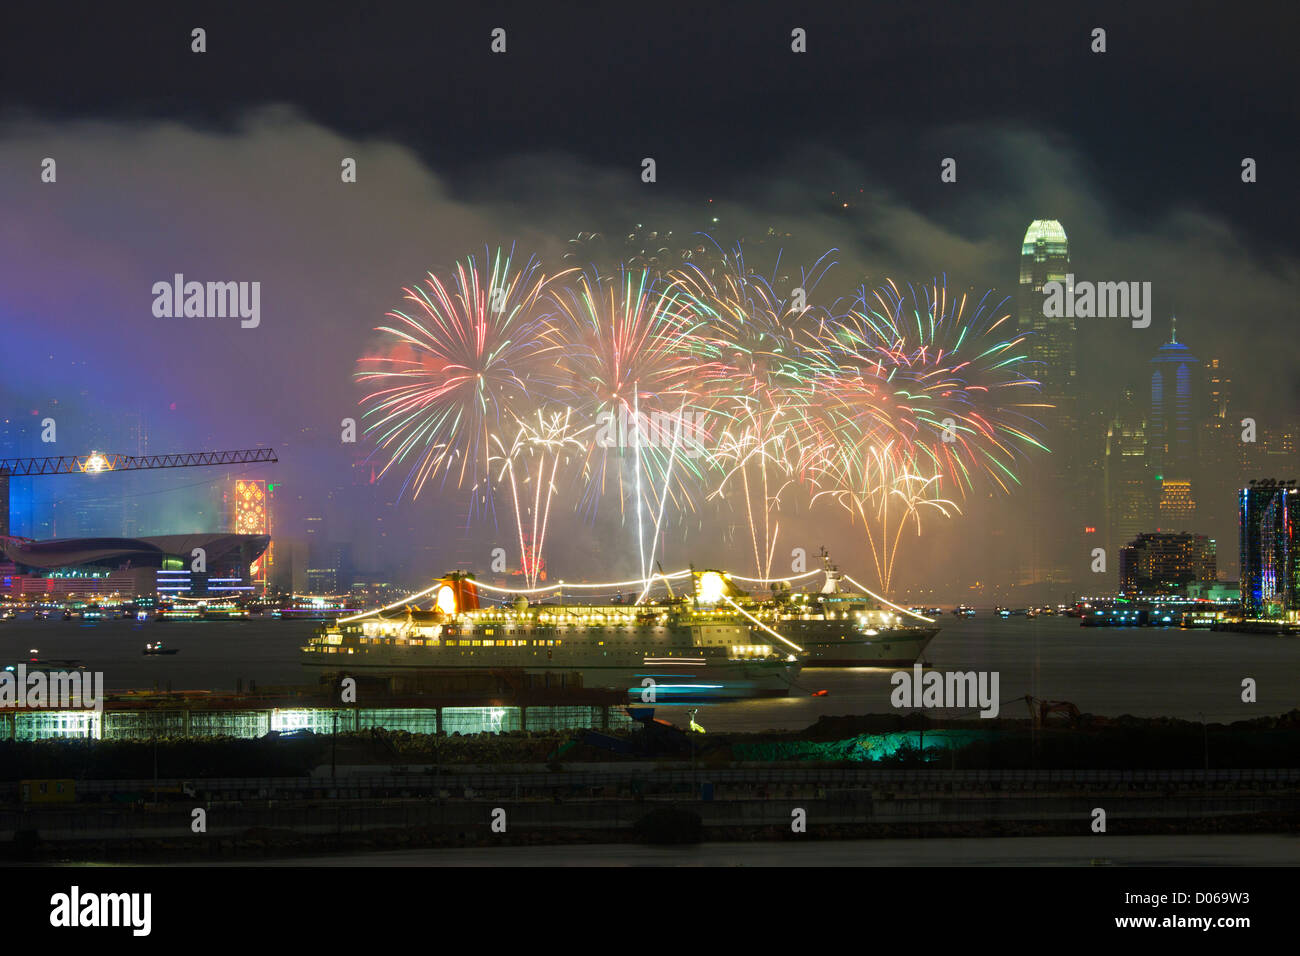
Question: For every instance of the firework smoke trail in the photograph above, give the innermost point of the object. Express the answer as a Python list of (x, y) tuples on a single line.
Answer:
[(754, 380), (628, 352), (548, 441), (466, 357)]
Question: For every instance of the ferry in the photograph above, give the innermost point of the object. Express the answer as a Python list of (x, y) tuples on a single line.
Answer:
[(714, 644), (311, 608), (200, 612)]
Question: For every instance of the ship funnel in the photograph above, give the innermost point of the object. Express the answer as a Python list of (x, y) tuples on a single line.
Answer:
[(457, 593), (711, 587)]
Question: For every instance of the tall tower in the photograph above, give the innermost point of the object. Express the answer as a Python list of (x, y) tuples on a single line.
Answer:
[(1128, 483), (1219, 474), (1055, 538), (1173, 426), (1044, 258), (1218, 389)]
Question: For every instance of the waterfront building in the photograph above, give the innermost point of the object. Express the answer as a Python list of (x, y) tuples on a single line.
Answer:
[(1270, 549), (80, 568), (1160, 563)]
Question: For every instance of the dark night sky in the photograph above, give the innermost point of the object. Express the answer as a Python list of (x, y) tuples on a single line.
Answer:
[(712, 88), (226, 165)]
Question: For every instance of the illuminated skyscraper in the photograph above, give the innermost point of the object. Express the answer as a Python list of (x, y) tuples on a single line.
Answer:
[(1128, 477), (1270, 549), (1177, 508), (1044, 258), (1220, 473), (1055, 546), (1218, 389), (1173, 432), (1173, 427)]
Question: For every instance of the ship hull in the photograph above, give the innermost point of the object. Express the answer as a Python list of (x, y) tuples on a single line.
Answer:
[(899, 647), (679, 675)]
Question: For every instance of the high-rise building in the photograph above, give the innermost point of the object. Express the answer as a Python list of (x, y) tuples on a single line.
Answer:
[(1161, 563), (1270, 549), (1056, 549), (1128, 477), (329, 568), (1220, 471), (1218, 389), (1044, 258), (1174, 370), (1173, 408), (1177, 507)]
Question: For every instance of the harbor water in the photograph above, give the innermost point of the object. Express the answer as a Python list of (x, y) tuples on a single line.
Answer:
[(1145, 672)]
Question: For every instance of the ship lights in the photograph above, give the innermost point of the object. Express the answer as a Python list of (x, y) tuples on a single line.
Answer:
[(712, 587), (446, 600)]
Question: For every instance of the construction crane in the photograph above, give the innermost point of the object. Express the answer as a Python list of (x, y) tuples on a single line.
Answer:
[(98, 462)]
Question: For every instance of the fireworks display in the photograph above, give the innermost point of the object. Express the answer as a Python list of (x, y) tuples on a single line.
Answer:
[(701, 387), (463, 361), (529, 464), (753, 376)]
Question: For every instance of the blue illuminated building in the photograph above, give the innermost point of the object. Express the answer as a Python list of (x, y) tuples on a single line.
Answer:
[(1270, 550)]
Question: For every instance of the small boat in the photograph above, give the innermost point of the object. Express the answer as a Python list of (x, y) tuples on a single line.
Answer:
[(153, 649)]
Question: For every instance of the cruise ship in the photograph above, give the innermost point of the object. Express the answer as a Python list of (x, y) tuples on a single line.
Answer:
[(715, 643)]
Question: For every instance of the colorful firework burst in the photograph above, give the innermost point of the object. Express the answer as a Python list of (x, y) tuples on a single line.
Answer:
[(469, 354), (628, 363)]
